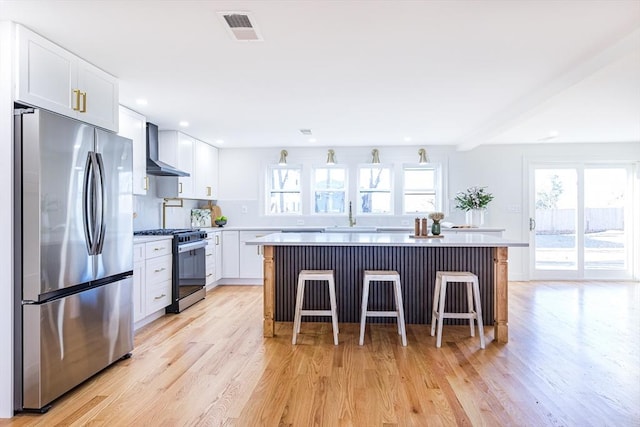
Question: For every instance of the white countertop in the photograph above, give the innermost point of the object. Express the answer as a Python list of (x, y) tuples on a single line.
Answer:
[(382, 239), (147, 239), (319, 228)]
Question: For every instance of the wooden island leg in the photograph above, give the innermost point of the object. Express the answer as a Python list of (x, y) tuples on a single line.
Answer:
[(501, 292), (269, 292)]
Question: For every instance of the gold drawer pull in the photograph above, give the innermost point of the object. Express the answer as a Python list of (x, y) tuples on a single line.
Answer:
[(160, 297), (162, 269), (210, 274), (159, 249)]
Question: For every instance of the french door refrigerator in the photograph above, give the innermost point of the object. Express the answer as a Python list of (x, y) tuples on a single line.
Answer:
[(73, 254)]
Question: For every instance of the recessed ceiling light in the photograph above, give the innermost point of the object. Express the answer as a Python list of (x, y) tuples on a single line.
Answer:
[(407, 139), (312, 140), (141, 101), (184, 124)]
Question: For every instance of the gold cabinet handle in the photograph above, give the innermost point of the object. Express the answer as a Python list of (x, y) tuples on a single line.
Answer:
[(217, 239), (180, 188), (159, 270), (160, 297), (158, 249), (209, 254), (208, 191), (210, 274), (84, 102), (146, 183), (76, 106)]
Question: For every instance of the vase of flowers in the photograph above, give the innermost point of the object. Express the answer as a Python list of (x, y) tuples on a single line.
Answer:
[(436, 217), (474, 202)]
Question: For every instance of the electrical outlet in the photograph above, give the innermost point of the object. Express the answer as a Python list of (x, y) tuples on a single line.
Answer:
[(244, 209), (300, 222)]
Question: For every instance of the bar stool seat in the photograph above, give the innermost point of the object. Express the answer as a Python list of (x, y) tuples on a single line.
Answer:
[(321, 275), (445, 278), (388, 276)]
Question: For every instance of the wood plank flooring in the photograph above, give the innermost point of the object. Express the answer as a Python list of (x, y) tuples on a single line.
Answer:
[(573, 360)]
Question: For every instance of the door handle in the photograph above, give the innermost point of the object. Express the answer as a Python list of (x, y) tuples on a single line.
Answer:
[(76, 107), (146, 183), (532, 224), (84, 102), (180, 189)]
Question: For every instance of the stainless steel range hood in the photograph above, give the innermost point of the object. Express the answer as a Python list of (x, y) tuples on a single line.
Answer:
[(155, 166)]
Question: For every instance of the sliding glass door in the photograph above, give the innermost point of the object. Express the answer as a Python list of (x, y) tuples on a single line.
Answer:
[(581, 223)]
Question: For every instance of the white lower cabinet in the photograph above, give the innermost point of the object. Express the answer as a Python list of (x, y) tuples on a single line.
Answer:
[(231, 254), (152, 273), (214, 257), (251, 257)]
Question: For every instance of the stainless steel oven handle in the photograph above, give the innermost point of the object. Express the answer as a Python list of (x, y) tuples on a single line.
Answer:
[(191, 246)]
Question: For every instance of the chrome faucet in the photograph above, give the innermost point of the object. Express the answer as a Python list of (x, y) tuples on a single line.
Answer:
[(352, 221)]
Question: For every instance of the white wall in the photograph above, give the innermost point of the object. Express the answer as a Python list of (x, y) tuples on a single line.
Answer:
[(502, 168), (6, 221)]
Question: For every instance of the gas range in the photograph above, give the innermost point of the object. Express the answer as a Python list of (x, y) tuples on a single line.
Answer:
[(181, 235), (189, 270)]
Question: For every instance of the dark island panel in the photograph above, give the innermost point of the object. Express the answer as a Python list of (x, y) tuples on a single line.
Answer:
[(417, 267)]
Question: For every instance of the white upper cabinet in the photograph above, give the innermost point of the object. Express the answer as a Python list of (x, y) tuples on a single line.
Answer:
[(53, 78), (190, 155), (205, 171), (133, 126), (176, 149)]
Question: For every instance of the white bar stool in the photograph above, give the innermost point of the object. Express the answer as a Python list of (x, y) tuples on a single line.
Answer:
[(324, 275), (473, 295), (398, 313)]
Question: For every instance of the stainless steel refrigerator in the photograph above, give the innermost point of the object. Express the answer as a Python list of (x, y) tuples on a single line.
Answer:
[(73, 254)]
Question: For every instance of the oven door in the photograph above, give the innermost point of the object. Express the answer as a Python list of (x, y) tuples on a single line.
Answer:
[(191, 268)]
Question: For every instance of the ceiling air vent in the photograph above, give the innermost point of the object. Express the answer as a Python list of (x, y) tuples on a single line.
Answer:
[(241, 26)]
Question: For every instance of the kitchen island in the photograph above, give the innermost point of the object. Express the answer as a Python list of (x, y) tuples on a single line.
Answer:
[(417, 261)]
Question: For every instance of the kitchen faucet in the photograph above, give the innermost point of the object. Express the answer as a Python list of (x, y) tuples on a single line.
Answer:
[(352, 221)]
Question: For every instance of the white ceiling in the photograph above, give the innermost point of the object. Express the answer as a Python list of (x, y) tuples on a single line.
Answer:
[(371, 73)]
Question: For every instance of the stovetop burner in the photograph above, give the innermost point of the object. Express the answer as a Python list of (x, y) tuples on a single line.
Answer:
[(164, 231)]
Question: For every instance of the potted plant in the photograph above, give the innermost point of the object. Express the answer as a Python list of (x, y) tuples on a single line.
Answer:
[(474, 202)]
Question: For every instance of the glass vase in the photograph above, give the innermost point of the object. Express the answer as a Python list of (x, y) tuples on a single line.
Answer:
[(435, 228), (475, 217)]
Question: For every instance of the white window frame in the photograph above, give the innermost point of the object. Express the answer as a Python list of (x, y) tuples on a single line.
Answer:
[(390, 191), (269, 190), (312, 201), (439, 187)]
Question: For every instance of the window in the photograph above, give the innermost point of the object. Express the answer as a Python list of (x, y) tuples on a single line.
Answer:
[(421, 189), (329, 190), (284, 190), (374, 190)]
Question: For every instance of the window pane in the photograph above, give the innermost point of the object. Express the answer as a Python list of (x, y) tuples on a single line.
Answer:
[(419, 179), (329, 178), (376, 203), (375, 178), (285, 179), (329, 201), (556, 205), (604, 227), (417, 203), (284, 203)]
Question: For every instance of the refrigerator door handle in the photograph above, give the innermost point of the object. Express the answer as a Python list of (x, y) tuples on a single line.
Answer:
[(86, 203), (101, 202)]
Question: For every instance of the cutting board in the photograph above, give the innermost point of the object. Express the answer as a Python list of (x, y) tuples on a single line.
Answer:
[(215, 212)]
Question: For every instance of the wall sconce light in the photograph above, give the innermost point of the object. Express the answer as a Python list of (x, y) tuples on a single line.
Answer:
[(331, 157), (283, 158), (424, 159), (375, 159)]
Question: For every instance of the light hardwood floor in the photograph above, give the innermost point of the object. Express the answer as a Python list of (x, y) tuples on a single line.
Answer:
[(573, 359)]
